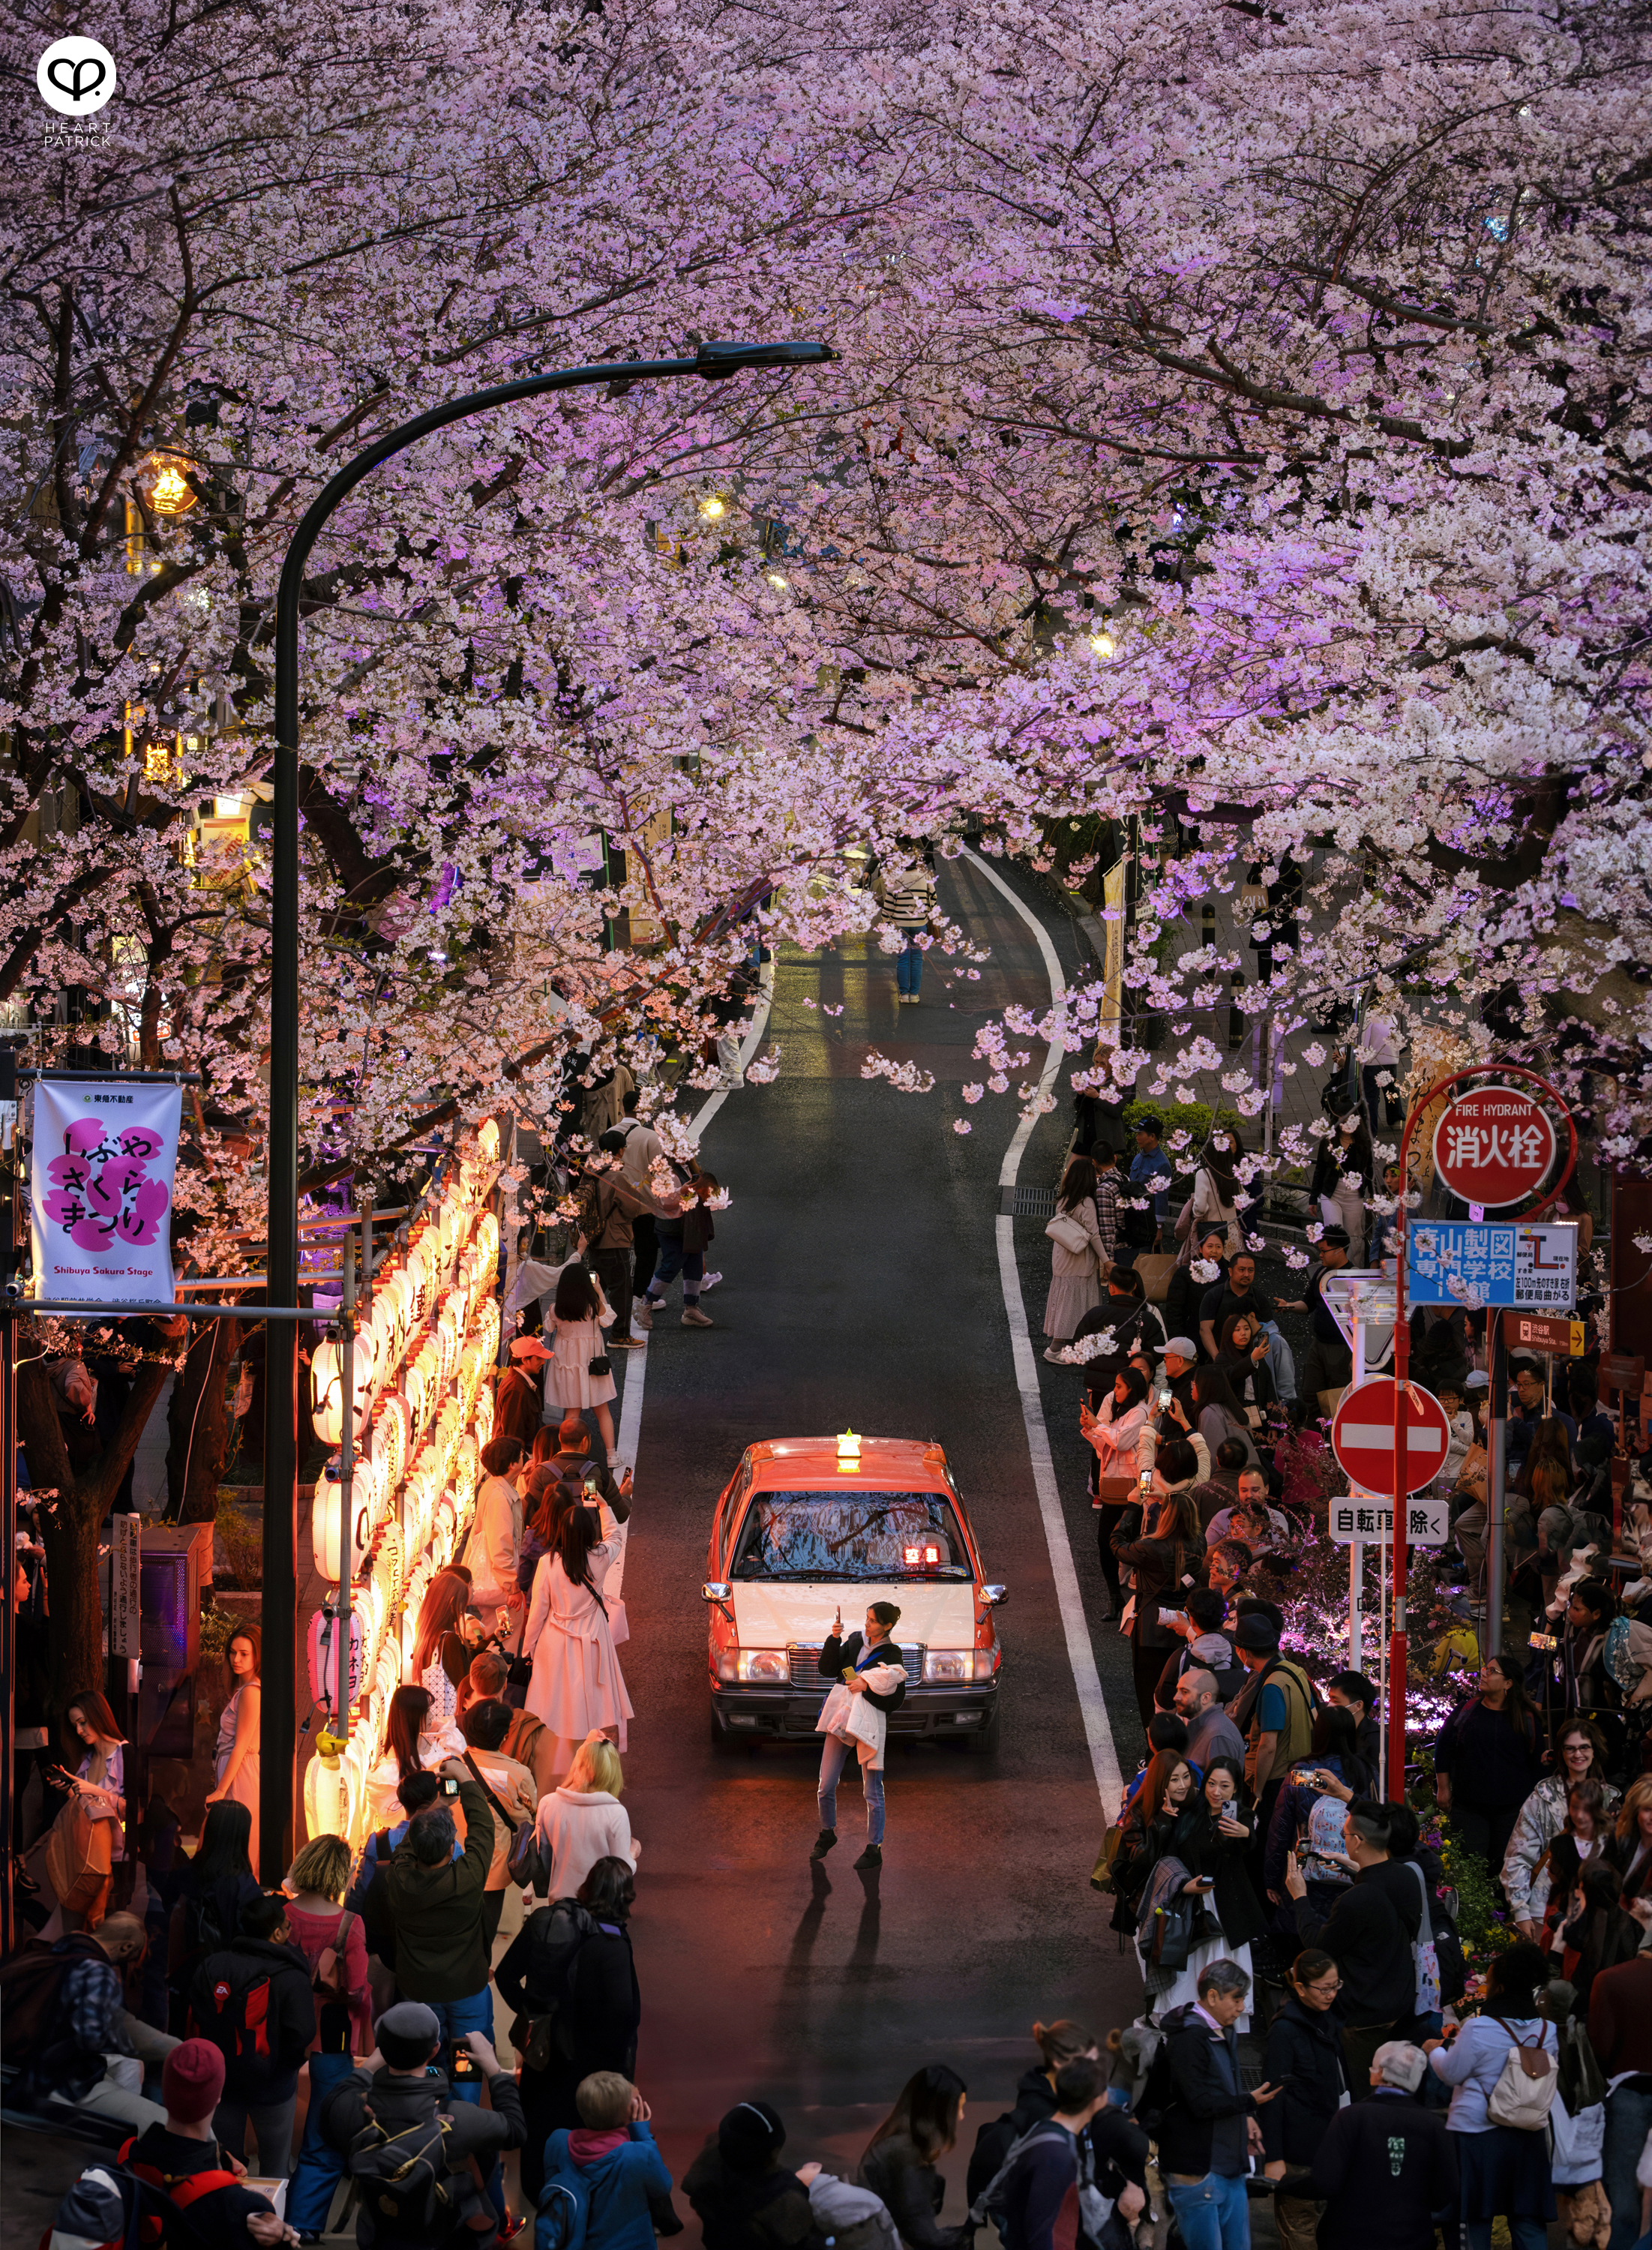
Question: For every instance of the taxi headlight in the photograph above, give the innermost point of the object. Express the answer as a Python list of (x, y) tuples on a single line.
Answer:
[(770, 1665), (949, 1663)]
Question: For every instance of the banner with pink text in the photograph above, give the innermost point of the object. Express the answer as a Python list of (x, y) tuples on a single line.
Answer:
[(102, 1163)]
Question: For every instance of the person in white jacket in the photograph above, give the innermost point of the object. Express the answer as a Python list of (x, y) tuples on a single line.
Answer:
[(1115, 1434), (583, 1820), (1581, 1751)]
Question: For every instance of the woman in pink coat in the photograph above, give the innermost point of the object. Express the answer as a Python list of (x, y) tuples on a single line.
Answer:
[(577, 1687)]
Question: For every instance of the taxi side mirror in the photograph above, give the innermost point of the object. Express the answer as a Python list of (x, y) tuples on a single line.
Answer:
[(715, 1589), (995, 1594)]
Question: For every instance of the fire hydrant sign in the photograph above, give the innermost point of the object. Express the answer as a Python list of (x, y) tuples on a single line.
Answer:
[(1362, 1437), (100, 1176), (1531, 1268), (1364, 1520), (1494, 1146)]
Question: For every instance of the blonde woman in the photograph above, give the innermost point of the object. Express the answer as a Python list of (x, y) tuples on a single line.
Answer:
[(333, 1943), (583, 1821)]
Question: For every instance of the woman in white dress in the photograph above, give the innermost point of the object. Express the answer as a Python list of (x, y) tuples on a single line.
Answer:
[(577, 1688), (1077, 1268), (238, 1760), (418, 1742), (573, 1334)]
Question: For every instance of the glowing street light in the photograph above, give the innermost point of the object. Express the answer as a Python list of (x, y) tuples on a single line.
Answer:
[(713, 507), (1102, 645)]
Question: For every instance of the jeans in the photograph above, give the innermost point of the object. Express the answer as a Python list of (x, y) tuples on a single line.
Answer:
[(319, 2168), (473, 2013), (1628, 2120), (832, 1765), (272, 2123), (674, 1259), (1212, 2213), (909, 966)]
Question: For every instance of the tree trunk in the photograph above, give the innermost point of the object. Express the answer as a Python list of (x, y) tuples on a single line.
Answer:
[(70, 1523), (198, 1424)]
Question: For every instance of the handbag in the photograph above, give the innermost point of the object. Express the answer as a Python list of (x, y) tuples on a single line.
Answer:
[(599, 1363), (328, 1983), (1101, 1873), (80, 1855), (1065, 1229), (1174, 1932), (1155, 1268)]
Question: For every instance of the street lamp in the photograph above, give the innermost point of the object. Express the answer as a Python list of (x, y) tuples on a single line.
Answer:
[(711, 362)]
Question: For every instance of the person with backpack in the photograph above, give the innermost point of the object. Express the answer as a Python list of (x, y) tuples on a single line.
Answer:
[(253, 2001), (1504, 2064), (901, 2159), (331, 1939), (1274, 1712), (1196, 2104), (1111, 2150), (213, 1887), (570, 1977), (436, 1903), (609, 2170), (1387, 2165), (744, 2197), (1369, 1934), (182, 2156), (418, 2152), (64, 2016), (1048, 2178)]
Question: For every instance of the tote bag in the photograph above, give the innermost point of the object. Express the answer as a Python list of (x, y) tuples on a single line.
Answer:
[(1065, 1229)]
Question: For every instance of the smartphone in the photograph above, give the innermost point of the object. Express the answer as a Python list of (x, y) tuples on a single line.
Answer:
[(1146, 1481), (450, 1787), (1164, 1398), (1543, 1640), (466, 2065)]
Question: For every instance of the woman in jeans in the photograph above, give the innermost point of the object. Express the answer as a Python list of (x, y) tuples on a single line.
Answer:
[(851, 1661), (1505, 2172)]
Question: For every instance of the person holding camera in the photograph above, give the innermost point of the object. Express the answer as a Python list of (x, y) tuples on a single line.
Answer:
[(437, 1905)]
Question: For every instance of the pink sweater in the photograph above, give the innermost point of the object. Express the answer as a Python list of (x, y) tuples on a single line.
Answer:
[(312, 1934)]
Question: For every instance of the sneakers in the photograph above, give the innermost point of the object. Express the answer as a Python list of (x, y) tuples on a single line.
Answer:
[(625, 1344), (872, 1857), (1053, 1353), (693, 1318), (823, 1843), (643, 1311)]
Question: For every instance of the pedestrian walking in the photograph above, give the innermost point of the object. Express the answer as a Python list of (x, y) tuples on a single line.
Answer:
[(516, 1411), (1328, 1364), (611, 2163), (1305, 2061), (1148, 1207), (1343, 1172), (1040, 2196), (495, 1544), (906, 893), (683, 1241), (577, 1686), (512, 1799), (1162, 1563), (1504, 2166), (177, 2155), (212, 1889), (609, 1208), (1379, 1049), (416, 1743), (1387, 2167), (331, 1939), (237, 1762), (871, 1675), (1369, 1934), (436, 1903), (1485, 1761), (575, 1973), (1208, 2126), (254, 2001), (583, 1820), (899, 2164), (1079, 1255), (742, 2195), (1620, 2033)]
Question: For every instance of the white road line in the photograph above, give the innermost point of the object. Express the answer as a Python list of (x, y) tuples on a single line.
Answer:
[(1104, 1754), (630, 1420)]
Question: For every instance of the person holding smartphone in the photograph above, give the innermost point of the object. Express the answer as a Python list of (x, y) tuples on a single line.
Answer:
[(851, 1660), (1212, 1838)]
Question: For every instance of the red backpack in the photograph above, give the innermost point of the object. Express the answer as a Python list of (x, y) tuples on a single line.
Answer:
[(119, 2205), (231, 2007)]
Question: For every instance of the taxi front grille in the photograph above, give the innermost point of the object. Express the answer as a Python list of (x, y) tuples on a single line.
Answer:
[(803, 1658)]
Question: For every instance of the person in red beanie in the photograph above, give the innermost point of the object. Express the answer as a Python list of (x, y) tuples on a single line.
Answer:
[(183, 2157)]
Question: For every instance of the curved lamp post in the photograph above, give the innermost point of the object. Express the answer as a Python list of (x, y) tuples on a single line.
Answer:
[(278, 1737)]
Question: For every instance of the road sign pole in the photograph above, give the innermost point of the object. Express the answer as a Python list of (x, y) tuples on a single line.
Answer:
[(1495, 1493)]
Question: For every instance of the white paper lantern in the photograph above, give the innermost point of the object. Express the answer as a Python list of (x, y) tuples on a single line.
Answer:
[(326, 1511), (324, 1658), (327, 1390)]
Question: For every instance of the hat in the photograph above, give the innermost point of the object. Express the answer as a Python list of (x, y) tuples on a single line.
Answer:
[(1184, 1347), (192, 2081), (1478, 1380), (750, 2136), (407, 2033), (1256, 1634), (529, 1348), (1334, 1237)]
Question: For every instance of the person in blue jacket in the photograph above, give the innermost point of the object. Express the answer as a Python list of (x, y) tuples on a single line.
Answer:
[(610, 2164)]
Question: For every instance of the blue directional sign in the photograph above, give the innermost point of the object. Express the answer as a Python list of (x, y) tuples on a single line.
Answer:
[(1533, 1267)]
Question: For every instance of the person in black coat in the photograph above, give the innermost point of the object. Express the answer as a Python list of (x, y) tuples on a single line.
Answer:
[(1212, 1840), (261, 1977), (900, 2159), (1118, 2145), (847, 1660), (1305, 2060), (1385, 2166), (1161, 1559), (742, 2195), (1369, 1934), (592, 1987)]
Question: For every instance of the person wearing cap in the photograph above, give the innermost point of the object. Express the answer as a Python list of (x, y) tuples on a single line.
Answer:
[(1149, 1182), (1182, 1356), (516, 1398), (181, 2155), (404, 2084), (1274, 1711), (1385, 2166), (742, 2195), (1329, 1362)]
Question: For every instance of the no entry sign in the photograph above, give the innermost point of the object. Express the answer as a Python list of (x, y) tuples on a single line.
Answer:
[(1494, 1146), (1362, 1437)]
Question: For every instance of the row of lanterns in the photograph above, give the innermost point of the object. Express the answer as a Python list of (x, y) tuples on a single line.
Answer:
[(434, 1323)]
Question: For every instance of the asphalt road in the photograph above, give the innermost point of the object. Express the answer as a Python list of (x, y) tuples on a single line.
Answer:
[(861, 1289)]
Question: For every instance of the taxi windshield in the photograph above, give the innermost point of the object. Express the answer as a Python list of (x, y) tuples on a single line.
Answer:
[(851, 1535)]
